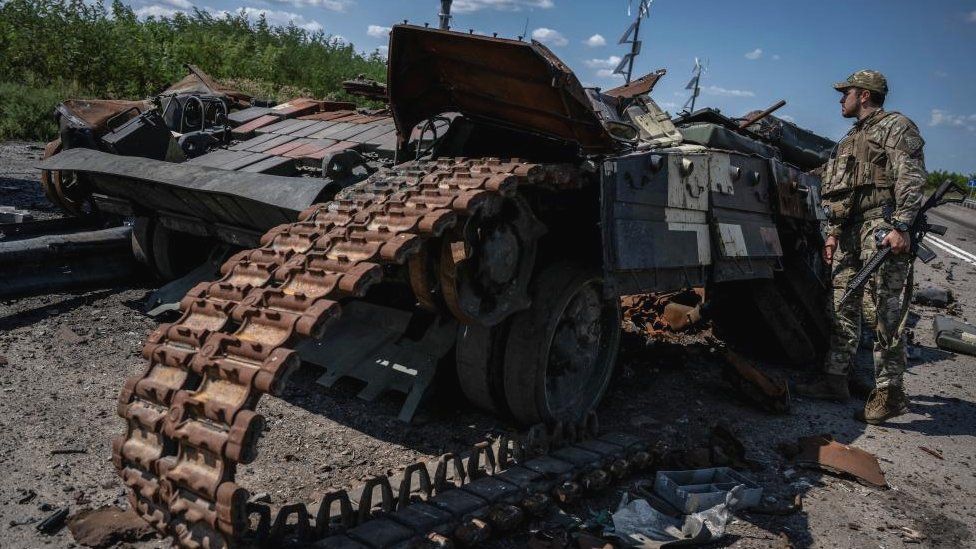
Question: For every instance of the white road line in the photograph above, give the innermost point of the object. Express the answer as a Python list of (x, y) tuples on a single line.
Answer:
[(953, 247), (945, 246)]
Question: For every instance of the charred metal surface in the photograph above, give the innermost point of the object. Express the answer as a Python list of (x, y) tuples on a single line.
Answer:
[(56, 262), (254, 201), (509, 82)]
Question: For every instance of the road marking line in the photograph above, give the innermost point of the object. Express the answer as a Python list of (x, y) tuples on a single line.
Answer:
[(950, 251), (953, 247)]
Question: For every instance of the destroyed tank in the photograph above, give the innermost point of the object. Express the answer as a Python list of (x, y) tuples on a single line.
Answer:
[(518, 209)]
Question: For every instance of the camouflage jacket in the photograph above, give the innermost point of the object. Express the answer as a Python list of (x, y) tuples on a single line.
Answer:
[(879, 162)]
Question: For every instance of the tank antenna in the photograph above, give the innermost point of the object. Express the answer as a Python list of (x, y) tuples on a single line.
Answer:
[(695, 85), (445, 14), (626, 65)]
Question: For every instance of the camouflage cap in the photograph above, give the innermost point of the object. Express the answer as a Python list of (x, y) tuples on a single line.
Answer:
[(866, 80)]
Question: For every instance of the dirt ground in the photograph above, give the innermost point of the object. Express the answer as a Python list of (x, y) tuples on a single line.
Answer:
[(65, 357)]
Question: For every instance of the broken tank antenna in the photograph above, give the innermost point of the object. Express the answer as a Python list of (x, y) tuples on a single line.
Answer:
[(445, 14), (626, 65), (694, 85)]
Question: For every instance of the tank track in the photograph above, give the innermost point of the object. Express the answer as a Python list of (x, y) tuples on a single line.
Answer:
[(190, 416)]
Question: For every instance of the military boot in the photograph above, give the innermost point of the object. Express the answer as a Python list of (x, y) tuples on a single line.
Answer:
[(828, 387), (883, 404)]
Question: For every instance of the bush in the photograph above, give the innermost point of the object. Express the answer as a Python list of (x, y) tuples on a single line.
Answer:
[(60, 48), (27, 111)]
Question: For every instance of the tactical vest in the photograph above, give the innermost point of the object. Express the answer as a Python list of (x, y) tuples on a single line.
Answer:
[(857, 179)]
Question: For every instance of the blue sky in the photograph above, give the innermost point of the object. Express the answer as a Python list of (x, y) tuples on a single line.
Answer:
[(757, 51)]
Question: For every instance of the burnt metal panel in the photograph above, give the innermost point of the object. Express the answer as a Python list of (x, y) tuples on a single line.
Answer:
[(746, 242), (796, 193), (655, 221), (520, 84), (251, 200), (246, 145)]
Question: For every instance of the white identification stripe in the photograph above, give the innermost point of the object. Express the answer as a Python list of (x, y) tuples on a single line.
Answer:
[(941, 244), (953, 247)]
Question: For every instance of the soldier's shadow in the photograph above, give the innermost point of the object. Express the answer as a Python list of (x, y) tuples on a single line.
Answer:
[(942, 416)]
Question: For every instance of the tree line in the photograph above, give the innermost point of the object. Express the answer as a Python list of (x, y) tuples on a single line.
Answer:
[(51, 50)]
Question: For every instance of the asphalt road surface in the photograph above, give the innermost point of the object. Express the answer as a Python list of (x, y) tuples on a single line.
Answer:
[(66, 355)]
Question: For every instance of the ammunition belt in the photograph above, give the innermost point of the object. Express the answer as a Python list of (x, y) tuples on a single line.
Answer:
[(190, 416)]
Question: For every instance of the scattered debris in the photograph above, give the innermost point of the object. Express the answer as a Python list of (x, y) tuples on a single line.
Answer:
[(934, 453), (726, 448), (28, 496), (934, 297), (772, 395), (108, 526), (638, 523), (780, 510), (657, 313), (823, 452), (59, 451), (953, 335), (69, 336), (3, 361), (910, 535), (10, 214), (53, 522), (693, 491)]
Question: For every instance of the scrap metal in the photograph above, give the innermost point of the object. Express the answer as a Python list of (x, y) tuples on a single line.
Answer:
[(823, 452)]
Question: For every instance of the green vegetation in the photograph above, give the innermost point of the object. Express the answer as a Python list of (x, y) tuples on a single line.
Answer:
[(938, 176), (51, 50)]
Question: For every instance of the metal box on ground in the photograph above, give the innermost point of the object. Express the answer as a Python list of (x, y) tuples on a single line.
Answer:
[(700, 489)]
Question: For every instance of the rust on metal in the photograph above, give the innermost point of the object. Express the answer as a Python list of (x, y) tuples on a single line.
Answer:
[(823, 452), (190, 416), (638, 87), (752, 383), (520, 84)]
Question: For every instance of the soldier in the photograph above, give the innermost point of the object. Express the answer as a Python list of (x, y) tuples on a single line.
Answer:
[(873, 180)]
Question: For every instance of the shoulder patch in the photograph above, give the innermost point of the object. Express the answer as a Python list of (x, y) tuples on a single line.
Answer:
[(912, 142)]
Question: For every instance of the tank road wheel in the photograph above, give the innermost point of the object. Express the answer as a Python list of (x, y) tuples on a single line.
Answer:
[(480, 365), (64, 189), (560, 353), (485, 266)]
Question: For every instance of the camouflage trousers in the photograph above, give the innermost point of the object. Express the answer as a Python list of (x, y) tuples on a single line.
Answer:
[(882, 305)]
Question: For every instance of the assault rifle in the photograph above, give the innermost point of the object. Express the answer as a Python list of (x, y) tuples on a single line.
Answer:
[(916, 231)]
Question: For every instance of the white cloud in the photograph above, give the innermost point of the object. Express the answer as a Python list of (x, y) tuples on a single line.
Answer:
[(595, 41), (716, 90), (468, 6), (754, 54), (182, 5), (608, 63), (279, 18), (608, 73), (377, 31), (668, 105), (947, 119), (786, 117), (549, 36), (971, 16), (332, 5), (384, 51), (156, 11)]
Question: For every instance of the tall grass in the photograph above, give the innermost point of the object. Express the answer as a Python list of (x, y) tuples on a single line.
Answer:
[(54, 49)]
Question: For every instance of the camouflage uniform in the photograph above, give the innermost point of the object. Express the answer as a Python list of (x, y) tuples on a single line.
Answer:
[(877, 168)]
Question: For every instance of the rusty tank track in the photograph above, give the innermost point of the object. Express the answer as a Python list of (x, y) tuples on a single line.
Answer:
[(190, 416)]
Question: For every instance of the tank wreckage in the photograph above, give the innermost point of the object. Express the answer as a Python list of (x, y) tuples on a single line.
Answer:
[(488, 222)]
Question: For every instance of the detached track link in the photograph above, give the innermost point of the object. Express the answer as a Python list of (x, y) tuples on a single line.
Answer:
[(190, 416)]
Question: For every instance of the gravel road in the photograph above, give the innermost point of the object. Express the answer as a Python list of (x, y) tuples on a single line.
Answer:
[(65, 356)]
